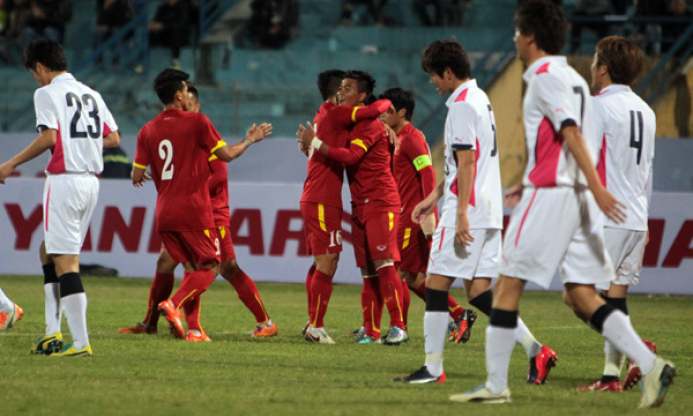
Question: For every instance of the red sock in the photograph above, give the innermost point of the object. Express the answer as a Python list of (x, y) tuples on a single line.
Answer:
[(309, 279), (193, 286), (406, 300), (321, 289), (391, 290), (421, 291), (161, 289), (248, 294), (192, 314), (455, 309), (371, 306)]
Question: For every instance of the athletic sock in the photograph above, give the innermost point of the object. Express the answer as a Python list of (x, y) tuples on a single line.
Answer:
[(421, 291), (435, 329), (391, 290), (6, 305), (406, 301), (248, 294), (321, 290), (309, 279), (51, 290), (371, 306), (161, 289), (74, 303), (192, 286), (525, 338), (500, 341), (455, 309), (613, 360), (615, 326), (192, 314)]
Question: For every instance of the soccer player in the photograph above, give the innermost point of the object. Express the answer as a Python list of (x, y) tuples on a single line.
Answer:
[(416, 179), (467, 242), (10, 312), (177, 144), (626, 126), (73, 121), (162, 285), (557, 223), (321, 201), (375, 202)]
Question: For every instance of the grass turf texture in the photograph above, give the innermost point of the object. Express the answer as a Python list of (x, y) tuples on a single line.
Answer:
[(235, 374)]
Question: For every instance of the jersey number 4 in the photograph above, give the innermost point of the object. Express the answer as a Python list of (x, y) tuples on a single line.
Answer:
[(166, 154), (636, 144), (93, 129)]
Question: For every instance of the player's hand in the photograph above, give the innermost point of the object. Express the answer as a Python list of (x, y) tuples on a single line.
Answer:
[(257, 133), (513, 196), (303, 148), (422, 209), (428, 226), (391, 136), (6, 169), (610, 206), (306, 134), (463, 234)]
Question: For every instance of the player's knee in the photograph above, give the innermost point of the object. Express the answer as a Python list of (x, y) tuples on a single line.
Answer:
[(229, 269), (327, 264), (165, 265)]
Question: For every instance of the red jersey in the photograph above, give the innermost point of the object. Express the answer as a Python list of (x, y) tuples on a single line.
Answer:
[(325, 176), (412, 170), (368, 166), (219, 191), (177, 145)]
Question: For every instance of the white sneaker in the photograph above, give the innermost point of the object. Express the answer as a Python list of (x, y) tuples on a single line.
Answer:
[(318, 335), (482, 395), (654, 385)]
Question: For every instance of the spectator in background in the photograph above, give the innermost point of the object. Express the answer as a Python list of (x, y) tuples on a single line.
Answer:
[(47, 19), (170, 28), (376, 8), (110, 16), (671, 31), (116, 164), (272, 21), (18, 12), (594, 9), (421, 10), (651, 33)]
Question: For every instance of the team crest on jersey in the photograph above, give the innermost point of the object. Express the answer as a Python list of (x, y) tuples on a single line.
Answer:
[(381, 248)]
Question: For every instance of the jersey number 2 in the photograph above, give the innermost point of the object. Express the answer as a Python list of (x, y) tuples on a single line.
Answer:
[(166, 154), (93, 130)]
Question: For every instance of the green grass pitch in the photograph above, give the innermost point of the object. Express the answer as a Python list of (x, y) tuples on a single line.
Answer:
[(237, 375)]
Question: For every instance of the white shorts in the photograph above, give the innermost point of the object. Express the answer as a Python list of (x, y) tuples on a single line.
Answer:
[(69, 201), (449, 258), (626, 249), (554, 228)]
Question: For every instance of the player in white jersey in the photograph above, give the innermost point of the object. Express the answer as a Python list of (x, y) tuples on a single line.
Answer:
[(557, 223), (625, 132), (467, 241), (74, 122)]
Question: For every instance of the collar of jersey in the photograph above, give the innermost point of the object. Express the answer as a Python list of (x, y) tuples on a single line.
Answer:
[(554, 59), (614, 89), (63, 77), (469, 84)]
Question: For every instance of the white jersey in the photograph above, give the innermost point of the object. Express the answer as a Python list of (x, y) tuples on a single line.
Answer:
[(470, 125), (626, 127), (81, 119), (556, 94)]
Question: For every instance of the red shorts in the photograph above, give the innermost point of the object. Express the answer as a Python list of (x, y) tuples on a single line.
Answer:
[(323, 228), (226, 244), (199, 247), (374, 236), (414, 249)]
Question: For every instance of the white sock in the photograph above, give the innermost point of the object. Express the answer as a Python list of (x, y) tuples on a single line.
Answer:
[(499, 347), (435, 329), (75, 307), (52, 292), (618, 330), (526, 339), (613, 359), (6, 305)]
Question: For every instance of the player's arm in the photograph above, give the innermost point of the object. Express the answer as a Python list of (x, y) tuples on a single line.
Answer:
[(344, 116), (418, 154), (217, 177), (348, 156), (112, 139), (43, 142), (141, 162), (255, 134), (466, 159)]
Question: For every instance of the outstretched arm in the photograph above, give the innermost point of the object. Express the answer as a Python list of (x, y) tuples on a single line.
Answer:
[(254, 135), (43, 142)]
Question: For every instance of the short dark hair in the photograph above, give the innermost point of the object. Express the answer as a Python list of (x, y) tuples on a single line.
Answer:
[(622, 57), (546, 21), (443, 54), (192, 90), (168, 83), (329, 82), (400, 99), (364, 81), (46, 51)]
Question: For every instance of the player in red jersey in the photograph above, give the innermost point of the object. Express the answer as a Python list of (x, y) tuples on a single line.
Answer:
[(375, 201), (177, 144), (162, 285), (321, 201), (415, 177)]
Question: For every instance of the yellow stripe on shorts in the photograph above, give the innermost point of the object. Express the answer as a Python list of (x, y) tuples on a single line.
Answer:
[(407, 234), (391, 215), (207, 233), (321, 217), (222, 231)]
